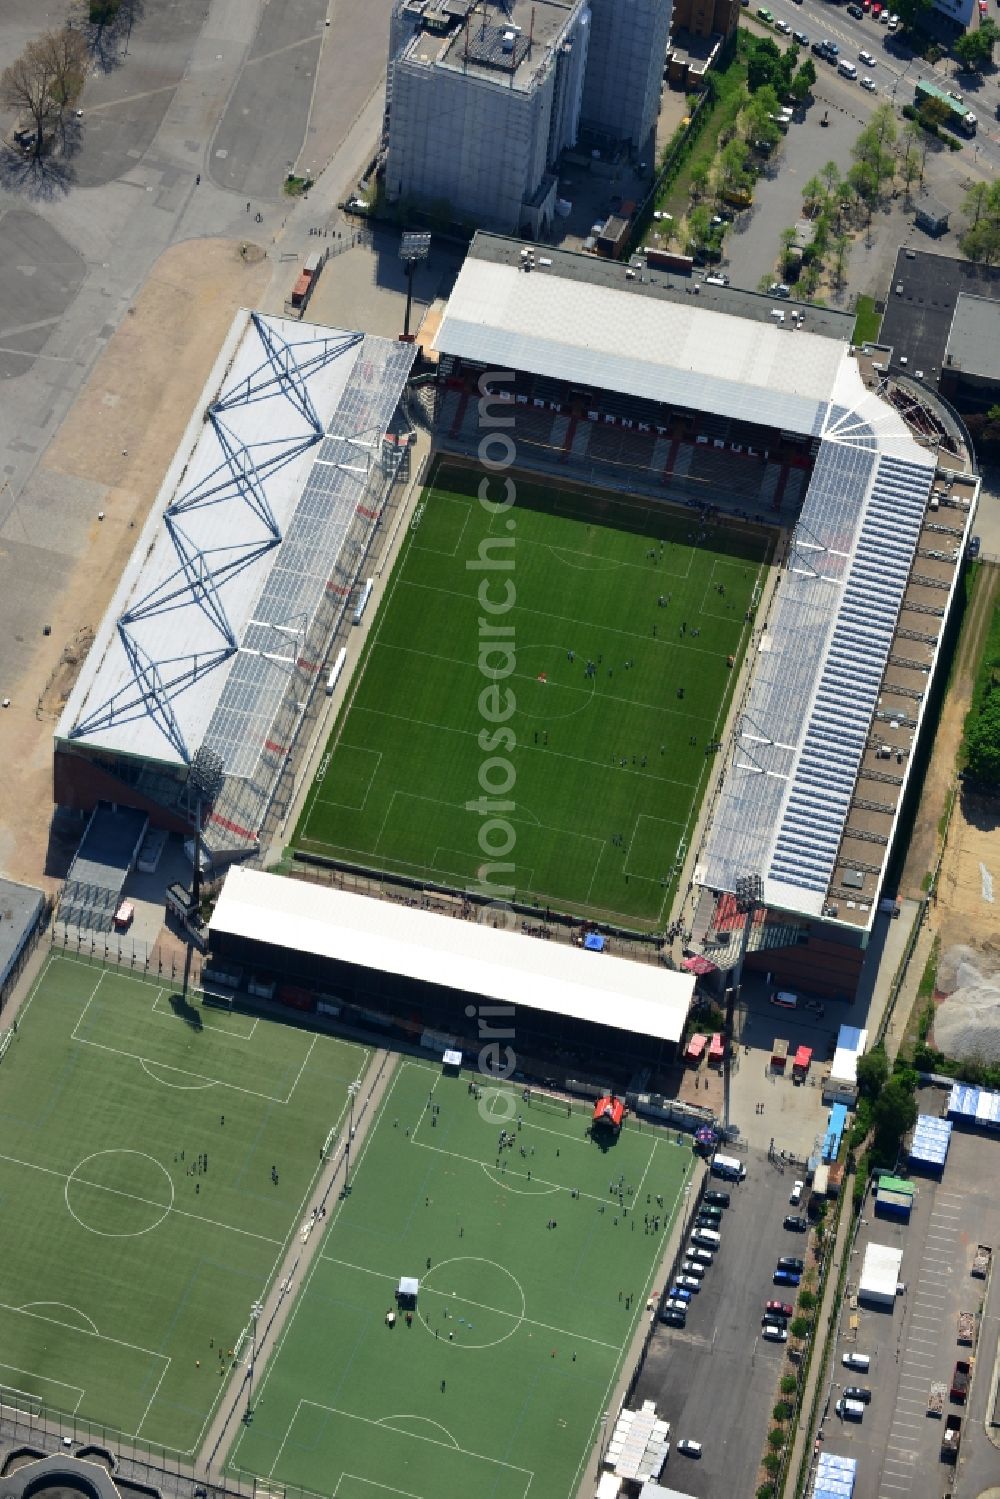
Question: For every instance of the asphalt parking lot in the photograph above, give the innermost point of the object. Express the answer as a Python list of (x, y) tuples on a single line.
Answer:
[(716, 1380), (897, 1444), (42, 276)]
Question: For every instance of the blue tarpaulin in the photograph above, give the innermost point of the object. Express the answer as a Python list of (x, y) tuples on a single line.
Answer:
[(834, 1131), (594, 942)]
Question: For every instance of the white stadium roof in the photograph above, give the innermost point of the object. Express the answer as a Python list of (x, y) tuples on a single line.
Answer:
[(674, 351), (212, 613), (644, 999)]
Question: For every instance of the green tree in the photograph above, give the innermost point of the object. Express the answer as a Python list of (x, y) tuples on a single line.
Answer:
[(788, 1384), (699, 223), (864, 180), (982, 740), (782, 1411), (698, 178), (771, 1461), (763, 63), (935, 112), (807, 1300), (733, 173), (974, 49), (911, 12), (917, 140), (873, 1070), (766, 1491), (776, 1438), (803, 80), (800, 1327), (841, 244), (895, 1112)]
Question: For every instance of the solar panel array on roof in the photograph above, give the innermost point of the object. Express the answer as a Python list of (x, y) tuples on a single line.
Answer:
[(819, 800), (309, 556), (931, 1138)]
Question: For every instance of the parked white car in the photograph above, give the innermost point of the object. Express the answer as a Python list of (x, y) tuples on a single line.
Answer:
[(795, 1196), (869, 84)]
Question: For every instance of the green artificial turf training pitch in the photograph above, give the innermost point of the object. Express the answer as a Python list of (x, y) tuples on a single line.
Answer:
[(528, 1297), (126, 1269), (617, 697)]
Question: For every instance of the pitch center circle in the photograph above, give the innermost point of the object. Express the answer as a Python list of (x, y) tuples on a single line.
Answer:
[(118, 1199), (476, 1300)]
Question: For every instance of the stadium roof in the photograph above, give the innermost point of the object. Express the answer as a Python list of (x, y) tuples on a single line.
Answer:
[(815, 690), (644, 999), (788, 798), (212, 612), (671, 348)]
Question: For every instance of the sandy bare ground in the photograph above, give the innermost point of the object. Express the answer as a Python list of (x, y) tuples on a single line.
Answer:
[(120, 434), (962, 910)]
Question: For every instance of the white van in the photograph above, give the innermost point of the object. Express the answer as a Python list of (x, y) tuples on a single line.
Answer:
[(847, 69), (861, 1362), (850, 1410), (729, 1167), (706, 1238), (785, 1000)]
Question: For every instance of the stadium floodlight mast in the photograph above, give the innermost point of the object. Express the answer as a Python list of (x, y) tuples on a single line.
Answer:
[(353, 1089), (205, 778), (413, 248), (749, 892), (256, 1311)]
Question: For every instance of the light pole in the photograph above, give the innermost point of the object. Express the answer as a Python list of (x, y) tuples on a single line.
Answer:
[(748, 890), (205, 779), (412, 249), (255, 1312), (353, 1089)]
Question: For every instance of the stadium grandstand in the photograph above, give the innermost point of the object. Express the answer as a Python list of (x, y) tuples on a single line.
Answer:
[(653, 382), (241, 579)]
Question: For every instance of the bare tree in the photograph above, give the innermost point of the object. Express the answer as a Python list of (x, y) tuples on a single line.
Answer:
[(44, 81), (65, 53), (26, 86)]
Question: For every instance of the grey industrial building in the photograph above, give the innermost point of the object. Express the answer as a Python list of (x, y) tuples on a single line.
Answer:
[(970, 375), (482, 99)]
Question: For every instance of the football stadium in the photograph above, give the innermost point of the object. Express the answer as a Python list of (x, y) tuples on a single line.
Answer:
[(652, 622)]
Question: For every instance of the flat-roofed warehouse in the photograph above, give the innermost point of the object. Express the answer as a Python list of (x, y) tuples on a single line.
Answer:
[(419, 970), (217, 633), (820, 757)]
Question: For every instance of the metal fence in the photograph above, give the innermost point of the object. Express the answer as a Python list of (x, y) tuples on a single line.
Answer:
[(159, 959)]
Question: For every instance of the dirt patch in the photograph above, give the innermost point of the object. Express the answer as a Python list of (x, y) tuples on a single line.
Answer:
[(925, 839), (57, 689), (121, 433), (968, 890)]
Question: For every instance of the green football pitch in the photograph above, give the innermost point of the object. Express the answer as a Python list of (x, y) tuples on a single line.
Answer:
[(127, 1270), (622, 622), (533, 1275)]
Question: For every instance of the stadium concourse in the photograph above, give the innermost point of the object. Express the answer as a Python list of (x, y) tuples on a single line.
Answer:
[(201, 671), (705, 396)]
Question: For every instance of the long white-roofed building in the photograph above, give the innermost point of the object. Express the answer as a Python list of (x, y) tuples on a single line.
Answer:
[(657, 383), (218, 631)]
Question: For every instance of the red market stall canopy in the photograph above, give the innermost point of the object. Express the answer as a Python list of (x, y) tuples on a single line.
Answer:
[(716, 1050), (802, 1059), (609, 1112), (695, 1047), (698, 964)]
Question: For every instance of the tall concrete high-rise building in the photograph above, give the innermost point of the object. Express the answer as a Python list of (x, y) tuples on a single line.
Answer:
[(628, 47), (480, 102)]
